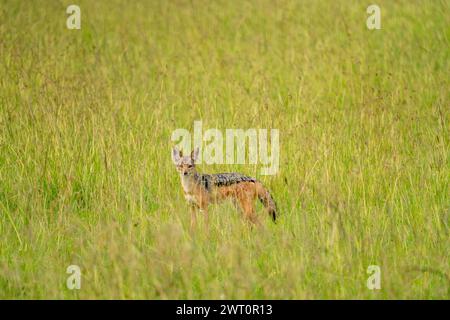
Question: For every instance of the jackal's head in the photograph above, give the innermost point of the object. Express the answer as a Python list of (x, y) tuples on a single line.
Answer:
[(185, 165)]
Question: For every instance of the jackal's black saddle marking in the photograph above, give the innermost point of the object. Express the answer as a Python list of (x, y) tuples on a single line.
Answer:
[(223, 179)]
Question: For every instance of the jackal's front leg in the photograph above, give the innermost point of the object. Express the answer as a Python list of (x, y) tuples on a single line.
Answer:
[(203, 205), (193, 209)]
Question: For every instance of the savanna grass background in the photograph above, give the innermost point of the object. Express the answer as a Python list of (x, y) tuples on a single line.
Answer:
[(86, 177)]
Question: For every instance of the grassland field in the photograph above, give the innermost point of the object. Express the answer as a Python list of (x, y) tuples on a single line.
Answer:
[(86, 176)]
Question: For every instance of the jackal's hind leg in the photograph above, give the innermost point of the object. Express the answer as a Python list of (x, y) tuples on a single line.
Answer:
[(236, 204), (248, 209)]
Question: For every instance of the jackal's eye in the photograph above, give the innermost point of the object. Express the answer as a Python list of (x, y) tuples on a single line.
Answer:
[(190, 166)]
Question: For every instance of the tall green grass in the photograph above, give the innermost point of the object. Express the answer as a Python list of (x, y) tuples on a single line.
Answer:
[(86, 176)]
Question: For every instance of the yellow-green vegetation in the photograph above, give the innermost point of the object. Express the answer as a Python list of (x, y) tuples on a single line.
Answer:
[(86, 176)]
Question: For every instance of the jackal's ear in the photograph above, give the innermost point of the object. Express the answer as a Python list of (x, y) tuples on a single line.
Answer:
[(194, 154), (176, 155)]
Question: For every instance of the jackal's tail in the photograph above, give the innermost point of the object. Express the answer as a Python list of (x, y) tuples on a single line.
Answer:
[(267, 200)]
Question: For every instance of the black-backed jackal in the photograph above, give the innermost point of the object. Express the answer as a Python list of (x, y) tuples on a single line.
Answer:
[(202, 189)]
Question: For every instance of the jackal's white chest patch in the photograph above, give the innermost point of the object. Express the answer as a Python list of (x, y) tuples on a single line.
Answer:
[(188, 185)]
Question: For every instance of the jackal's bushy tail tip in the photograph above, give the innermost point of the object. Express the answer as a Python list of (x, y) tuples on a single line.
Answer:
[(269, 203)]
